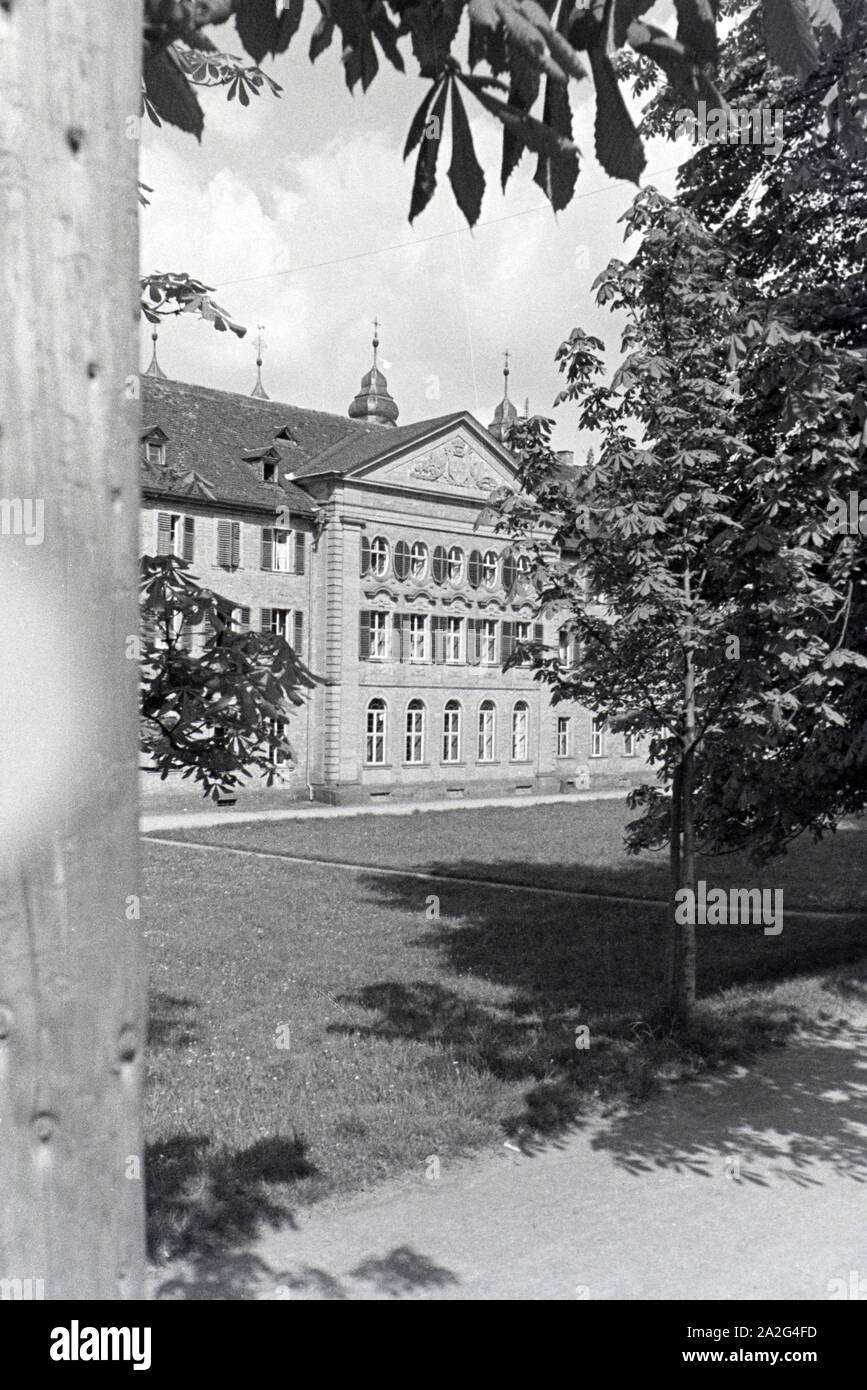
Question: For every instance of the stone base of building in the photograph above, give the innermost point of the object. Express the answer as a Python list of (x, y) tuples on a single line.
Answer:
[(357, 793)]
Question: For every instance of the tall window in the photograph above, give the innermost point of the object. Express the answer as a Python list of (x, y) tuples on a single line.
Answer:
[(374, 738), (520, 732), (379, 556), (415, 732), (487, 731), (490, 566), (488, 652), (282, 550), (454, 639), (278, 621), (175, 535), (418, 637), (452, 732), (378, 636), (564, 736), (597, 738), (418, 560), (629, 746), (455, 565)]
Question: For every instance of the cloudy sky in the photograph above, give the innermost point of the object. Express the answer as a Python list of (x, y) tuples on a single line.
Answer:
[(295, 210)]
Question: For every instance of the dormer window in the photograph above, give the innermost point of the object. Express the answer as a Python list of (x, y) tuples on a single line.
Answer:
[(285, 433), (154, 441), (269, 471)]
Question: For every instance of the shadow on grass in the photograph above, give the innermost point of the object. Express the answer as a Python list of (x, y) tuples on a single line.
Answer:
[(583, 978), (170, 1020), (243, 1275), (205, 1203)]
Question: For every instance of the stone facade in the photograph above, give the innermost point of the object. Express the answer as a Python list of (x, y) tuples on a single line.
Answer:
[(368, 555)]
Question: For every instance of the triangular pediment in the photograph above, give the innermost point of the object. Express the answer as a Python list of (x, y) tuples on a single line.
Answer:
[(463, 461)]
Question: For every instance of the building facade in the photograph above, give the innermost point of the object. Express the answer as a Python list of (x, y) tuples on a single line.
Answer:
[(359, 541)]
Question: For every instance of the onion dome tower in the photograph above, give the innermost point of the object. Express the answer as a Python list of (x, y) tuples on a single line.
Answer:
[(373, 401), (506, 413)]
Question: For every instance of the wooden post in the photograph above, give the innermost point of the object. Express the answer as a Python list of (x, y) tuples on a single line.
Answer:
[(72, 1015)]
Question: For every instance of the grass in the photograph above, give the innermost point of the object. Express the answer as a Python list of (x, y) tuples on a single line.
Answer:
[(556, 846), (314, 1031)]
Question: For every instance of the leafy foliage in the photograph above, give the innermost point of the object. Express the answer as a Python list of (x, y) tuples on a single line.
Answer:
[(699, 570), (528, 52), (166, 293), (217, 716)]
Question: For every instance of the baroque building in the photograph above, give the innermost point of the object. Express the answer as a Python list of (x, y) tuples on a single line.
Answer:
[(356, 538)]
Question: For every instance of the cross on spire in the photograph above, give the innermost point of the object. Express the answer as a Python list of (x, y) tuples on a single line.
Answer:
[(506, 356), (258, 390), (155, 369)]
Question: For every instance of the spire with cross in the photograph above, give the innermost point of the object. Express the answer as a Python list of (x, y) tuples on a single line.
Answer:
[(258, 390), (155, 369)]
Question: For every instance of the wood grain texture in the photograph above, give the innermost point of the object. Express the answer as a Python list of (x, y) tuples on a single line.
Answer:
[(72, 1015)]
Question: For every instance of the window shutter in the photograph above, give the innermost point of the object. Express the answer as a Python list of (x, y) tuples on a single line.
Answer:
[(300, 551), (189, 541), (224, 531), (510, 571), (439, 564), (244, 619), (298, 642), (508, 643), (364, 636), (474, 569), (538, 632), (396, 652), (438, 640), (267, 548), (401, 560), (404, 638), (365, 555), (164, 534), (265, 621), (235, 547)]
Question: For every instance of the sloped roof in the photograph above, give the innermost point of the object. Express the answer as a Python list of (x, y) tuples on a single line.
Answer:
[(216, 434), (358, 449), (208, 432)]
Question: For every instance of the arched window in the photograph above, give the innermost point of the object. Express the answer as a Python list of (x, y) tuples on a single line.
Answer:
[(439, 564), (418, 560), (523, 572), (379, 556), (474, 569), (490, 569), (452, 732), (520, 732), (487, 731), (415, 732), (374, 738), (456, 565), (510, 572), (401, 560)]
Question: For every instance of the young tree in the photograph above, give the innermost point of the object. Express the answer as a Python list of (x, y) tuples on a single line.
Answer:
[(702, 575)]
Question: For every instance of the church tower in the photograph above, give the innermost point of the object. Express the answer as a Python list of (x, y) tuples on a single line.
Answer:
[(373, 401), (506, 413)]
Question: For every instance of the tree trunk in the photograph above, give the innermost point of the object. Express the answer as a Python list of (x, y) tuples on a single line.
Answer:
[(72, 1013)]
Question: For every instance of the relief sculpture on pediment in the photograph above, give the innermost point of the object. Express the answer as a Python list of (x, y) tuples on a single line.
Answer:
[(457, 462)]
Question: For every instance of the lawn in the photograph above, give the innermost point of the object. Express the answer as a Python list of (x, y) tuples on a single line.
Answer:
[(556, 845), (315, 1030)]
